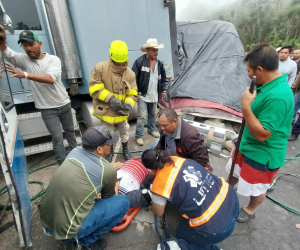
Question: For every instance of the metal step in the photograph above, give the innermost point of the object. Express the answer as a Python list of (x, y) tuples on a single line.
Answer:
[(47, 146), (33, 126)]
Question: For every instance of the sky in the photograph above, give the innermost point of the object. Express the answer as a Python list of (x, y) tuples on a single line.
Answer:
[(198, 9)]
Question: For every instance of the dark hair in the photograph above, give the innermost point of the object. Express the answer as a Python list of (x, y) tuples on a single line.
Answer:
[(156, 159), (290, 48), (170, 114), (263, 55)]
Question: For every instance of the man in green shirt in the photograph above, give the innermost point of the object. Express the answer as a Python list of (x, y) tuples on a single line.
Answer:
[(81, 202), (268, 113)]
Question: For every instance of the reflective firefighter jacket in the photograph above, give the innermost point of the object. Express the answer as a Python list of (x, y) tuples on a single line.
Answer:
[(208, 202), (107, 80)]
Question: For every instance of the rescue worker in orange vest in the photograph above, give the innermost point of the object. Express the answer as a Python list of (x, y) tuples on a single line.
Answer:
[(209, 204), (114, 92)]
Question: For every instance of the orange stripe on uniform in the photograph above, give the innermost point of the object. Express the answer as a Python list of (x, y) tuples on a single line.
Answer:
[(165, 177), (213, 208), (172, 177), (185, 216)]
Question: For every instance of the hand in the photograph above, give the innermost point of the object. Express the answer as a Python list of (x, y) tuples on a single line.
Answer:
[(247, 98), (163, 95), (125, 110), (16, 72), (117, 186), (98, 196), (117, 165), (115, 103)]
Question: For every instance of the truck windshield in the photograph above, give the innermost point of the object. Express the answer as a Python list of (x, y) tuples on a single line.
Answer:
[(23, 14)]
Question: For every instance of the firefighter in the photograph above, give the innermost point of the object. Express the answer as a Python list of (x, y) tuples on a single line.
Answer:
[(114, 92), (208, 203)]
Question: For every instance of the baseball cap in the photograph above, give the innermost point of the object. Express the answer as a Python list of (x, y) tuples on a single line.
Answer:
[(28, 36), (98, 136)]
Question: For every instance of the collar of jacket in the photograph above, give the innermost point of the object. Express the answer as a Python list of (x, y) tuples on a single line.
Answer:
[(118, 69)]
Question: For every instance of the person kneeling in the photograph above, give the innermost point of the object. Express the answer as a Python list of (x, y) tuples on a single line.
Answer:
[(81, 202), (208, 203)]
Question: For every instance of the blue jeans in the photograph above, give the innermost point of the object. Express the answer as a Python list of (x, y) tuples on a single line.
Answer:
[(145, 108), (297, 104), (198, 241), (55, 119), (296, 127), (106, 214)]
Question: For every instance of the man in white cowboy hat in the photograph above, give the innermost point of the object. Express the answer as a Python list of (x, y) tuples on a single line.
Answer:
[(151, 83)]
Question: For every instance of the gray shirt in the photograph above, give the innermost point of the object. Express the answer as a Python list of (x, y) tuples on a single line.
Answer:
[(288, 67), (45, 95), (171, 146), (152, 94)]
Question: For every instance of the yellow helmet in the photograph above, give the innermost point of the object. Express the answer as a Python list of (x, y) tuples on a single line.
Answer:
[(118, 51)]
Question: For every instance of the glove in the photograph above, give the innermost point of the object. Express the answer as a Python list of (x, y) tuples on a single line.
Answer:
[(115, 104), (146, 183), (125, 110)]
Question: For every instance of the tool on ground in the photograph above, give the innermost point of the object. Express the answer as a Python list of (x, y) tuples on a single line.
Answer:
[(131, 213), (237, 146), (215, 137)]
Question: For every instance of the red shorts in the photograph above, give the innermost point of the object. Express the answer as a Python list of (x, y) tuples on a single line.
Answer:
[(254, 178)]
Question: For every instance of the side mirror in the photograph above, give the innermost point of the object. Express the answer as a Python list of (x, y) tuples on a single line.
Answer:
[(5, 20), (7, 23)]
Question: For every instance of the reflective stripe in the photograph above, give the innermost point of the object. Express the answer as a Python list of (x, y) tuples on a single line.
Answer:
[(96, 87), (131, 92), (119, 97), (104, 94), (213, 208), (130, 100), (110, 119), (172, 177), (185, 216)]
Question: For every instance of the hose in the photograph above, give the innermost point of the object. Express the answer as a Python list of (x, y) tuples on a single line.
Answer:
[(39, 194)]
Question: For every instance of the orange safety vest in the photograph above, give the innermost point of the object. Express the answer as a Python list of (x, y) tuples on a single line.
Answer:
[(164, 182)]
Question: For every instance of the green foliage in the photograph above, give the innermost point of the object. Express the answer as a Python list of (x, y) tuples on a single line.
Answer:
[(273, 21)]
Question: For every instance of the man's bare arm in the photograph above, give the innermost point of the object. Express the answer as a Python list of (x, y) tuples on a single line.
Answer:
[(254, 125), (43, 78)]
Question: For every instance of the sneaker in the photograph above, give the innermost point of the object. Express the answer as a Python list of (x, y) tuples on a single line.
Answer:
[(293, 137), (97, 245), (155, 134), (140, 141)]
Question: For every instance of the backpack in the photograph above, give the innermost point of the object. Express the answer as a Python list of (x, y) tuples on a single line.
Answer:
[(170, 243)]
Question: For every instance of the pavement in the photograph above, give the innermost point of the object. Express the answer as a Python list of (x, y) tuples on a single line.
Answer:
[(274, 228)]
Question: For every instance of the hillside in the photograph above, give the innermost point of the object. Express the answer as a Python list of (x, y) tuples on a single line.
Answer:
[(273, 21)]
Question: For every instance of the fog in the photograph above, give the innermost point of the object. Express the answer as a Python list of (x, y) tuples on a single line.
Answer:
[(199, 9)]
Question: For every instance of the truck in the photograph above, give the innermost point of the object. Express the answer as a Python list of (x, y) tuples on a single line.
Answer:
[(79, 32)]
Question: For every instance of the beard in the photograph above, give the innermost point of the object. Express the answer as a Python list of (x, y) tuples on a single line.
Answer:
[(33, 55)]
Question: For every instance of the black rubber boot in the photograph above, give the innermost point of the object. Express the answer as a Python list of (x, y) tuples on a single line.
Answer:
[(111, 155), (126, 153)]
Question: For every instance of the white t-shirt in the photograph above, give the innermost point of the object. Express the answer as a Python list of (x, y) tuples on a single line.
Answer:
[(152, 95), (45, 95)]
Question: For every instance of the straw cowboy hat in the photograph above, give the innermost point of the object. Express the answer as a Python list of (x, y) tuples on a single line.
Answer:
[(152, 43)]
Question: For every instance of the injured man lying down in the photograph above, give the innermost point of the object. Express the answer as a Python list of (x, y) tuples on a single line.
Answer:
[(135, 183)]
